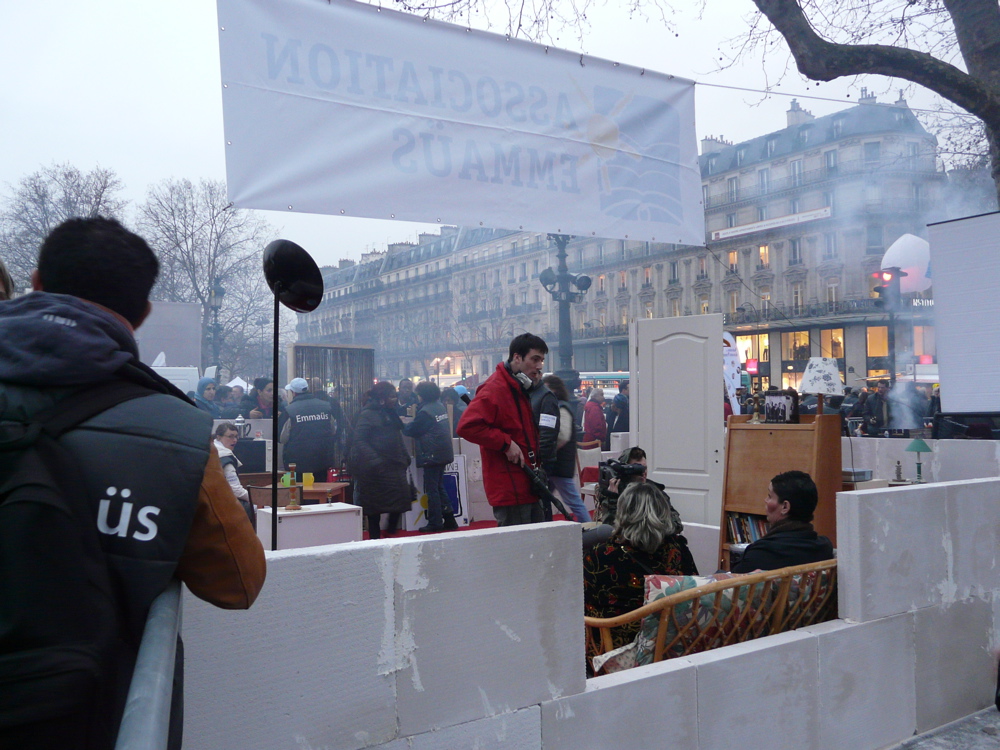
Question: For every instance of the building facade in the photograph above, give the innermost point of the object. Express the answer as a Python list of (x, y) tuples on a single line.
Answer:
[(796, 223)]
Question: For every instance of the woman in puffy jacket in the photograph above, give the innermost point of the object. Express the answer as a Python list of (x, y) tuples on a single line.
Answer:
[(378, 460), (595, 426)]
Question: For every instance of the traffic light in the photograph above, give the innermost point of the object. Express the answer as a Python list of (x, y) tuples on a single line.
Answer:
[(888, 292)]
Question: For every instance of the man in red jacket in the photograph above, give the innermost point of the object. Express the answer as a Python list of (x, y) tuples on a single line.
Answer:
[(500, 421)]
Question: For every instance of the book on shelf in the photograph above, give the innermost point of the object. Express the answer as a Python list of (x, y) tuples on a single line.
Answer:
[(744, 528)]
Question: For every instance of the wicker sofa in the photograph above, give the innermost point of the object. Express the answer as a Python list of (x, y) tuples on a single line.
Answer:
[(685, 615)]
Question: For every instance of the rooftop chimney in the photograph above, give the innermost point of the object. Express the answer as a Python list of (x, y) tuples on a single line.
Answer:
[(867, 98), (797, 115), (345, 263), (711, 143)]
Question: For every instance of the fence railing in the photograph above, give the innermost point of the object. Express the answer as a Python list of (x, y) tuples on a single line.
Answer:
[(146, 721)]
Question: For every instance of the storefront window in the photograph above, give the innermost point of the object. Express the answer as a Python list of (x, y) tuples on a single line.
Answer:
[(795, 346), (878, 341), (831, 343)]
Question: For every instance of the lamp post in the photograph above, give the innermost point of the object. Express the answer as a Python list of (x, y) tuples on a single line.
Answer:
[(214, 303), (437, 361), (559, 284)]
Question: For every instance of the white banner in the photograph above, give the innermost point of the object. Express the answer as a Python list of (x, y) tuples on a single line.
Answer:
[(344, 108)]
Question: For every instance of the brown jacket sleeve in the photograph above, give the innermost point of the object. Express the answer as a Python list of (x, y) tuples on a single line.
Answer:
[(223, 561)]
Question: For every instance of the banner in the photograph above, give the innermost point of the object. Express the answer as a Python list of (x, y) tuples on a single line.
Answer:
[(349, 109)]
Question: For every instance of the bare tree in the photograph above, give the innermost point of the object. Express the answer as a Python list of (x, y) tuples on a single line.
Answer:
[(204, 242), (947, 46), (44, 199)]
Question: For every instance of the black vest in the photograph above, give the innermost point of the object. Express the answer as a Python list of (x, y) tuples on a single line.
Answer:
[(310, 436), (434, 446), (143, 462)]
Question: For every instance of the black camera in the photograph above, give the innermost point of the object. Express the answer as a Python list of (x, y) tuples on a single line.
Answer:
[(624, 473)]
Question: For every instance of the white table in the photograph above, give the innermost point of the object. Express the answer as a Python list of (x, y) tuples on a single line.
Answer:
[(313, 526)]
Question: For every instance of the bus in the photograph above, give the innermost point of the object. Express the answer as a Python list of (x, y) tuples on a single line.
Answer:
[(606, 380)]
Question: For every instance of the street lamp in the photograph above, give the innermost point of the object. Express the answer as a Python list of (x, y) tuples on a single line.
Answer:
[(214, 303), (559, 284)]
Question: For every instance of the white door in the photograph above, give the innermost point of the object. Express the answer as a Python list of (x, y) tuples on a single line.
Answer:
[(676, 409)]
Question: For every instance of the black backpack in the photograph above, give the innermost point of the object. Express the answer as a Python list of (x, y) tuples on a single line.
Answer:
[(63, 657)]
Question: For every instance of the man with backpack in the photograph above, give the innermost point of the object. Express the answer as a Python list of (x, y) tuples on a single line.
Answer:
[(109, 489)]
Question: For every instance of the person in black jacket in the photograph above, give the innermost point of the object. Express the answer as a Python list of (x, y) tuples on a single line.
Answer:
[(308, 432), (431, 434), (561, 469), (378, 460), (791, 539)]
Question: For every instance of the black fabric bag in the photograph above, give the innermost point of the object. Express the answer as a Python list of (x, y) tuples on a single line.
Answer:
[(62, 655)]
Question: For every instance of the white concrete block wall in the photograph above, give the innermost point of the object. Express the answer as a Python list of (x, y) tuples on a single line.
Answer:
[(890, 550), (354, 645), (764, 692), (903, 548), (474, 640), (955, 671), (507, 635), (861, 667), (646, 707)]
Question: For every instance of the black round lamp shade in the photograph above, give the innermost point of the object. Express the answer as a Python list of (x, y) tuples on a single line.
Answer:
[(293, 275)]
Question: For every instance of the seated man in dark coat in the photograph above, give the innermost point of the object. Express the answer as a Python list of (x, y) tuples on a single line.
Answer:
[(791, 539)]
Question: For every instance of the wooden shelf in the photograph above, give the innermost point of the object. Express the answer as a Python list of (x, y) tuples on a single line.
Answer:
[(757, 452)]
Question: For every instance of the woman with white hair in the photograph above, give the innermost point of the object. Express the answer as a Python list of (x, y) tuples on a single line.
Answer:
[(646, 541)]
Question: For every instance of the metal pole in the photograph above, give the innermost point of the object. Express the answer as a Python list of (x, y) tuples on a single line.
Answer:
[(565, 332), (892, 349), (274, 427)]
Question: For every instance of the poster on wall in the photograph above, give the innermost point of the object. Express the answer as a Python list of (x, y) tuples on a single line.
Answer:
[(455, 484), (352, 109), (731, 369)]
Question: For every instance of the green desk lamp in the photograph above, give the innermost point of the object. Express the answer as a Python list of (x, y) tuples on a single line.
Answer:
[(918, 446)]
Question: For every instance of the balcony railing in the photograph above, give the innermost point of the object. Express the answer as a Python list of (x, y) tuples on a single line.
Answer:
[(859, 166), (777, 313)]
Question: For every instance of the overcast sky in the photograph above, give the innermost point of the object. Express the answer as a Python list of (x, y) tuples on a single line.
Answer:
[(135, 87)]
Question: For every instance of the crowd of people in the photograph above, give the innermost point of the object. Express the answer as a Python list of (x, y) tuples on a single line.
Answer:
[(875, 412)]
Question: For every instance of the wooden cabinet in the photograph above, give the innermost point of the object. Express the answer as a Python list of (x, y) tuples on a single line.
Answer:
[(757, 452)]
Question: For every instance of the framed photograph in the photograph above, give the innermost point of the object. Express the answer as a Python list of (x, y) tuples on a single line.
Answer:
[(779, 408)]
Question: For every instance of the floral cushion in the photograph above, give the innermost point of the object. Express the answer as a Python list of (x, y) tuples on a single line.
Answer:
[(715, 622), (640, 651)]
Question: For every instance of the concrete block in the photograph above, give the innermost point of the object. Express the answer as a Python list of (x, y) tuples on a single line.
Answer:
[(299, 668), (520, 730), (646, 707), (703, 541), (972, 539), (861, 707), (487, 622), (964, 459), (890, 553), (759, 694), (954, 668)]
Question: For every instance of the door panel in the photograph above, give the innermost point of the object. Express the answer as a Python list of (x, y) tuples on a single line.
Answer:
[(676, 414)]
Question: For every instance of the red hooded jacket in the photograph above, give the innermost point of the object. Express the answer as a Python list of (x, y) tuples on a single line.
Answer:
[(498, 415)]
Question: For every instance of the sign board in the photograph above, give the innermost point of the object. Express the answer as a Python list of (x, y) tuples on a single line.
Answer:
[(352, 109), (455, 484)]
